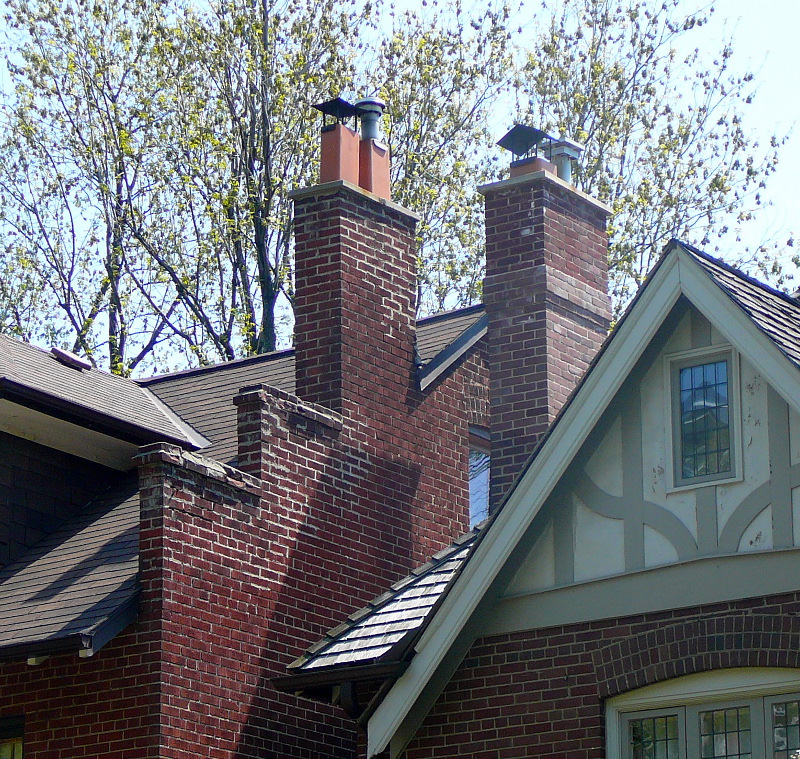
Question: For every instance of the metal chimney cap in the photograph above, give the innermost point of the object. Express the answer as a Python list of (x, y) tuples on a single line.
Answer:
[(566, 148), (370, 105), (521, 139), (339, 108)]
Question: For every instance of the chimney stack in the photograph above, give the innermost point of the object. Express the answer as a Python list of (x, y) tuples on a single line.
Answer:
[(545, 294), (355, 271)]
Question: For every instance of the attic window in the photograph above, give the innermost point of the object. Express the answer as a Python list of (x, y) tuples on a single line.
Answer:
[(704, 415)]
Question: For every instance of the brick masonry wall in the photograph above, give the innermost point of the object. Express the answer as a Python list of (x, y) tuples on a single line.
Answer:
[(241, 570), (39, 487), (239, 575), (540, 693), (103, 707), (546, 295), (248, 568), (355, 282)]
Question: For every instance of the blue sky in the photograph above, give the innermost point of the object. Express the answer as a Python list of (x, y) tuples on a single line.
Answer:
[(766, 40)]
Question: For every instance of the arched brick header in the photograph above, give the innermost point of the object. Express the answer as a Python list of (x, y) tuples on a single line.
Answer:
[(697, 645)]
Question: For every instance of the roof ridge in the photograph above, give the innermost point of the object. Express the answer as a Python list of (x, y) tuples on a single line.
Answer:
[(219, 366), (736, 272), (441, 315)]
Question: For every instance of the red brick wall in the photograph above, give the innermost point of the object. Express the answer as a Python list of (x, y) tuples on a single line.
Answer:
[(546, 295), (106, 706), (540, 693), (39, 487), (241, 571), (355, 290)]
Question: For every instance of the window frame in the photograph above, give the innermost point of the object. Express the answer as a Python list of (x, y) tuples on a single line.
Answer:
[(690, 694), (673, 364)]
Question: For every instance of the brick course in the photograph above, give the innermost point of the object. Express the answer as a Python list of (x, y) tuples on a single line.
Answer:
[(541, 692), (340, 492)]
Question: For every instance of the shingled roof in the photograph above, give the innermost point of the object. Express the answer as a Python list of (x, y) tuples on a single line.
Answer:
[(36, 378), (775, 313), (204, 397), (76, 588), (381, 631)]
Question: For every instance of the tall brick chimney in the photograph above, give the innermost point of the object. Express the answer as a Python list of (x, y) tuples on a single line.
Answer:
[(546, 297), (355, 276)]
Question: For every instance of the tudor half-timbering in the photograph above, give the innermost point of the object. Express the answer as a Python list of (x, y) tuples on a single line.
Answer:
[(637, 592)]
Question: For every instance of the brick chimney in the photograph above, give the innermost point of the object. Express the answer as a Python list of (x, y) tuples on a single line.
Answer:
[(546, 297), (355, 276)]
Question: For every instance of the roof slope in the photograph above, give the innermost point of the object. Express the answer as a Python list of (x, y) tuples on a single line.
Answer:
[(76, 588), (756, 319), (29, 375), (371, 633), (204, 397), (776, 314)]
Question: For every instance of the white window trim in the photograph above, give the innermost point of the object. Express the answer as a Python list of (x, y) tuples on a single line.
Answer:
[(703, 355), (703, 688)]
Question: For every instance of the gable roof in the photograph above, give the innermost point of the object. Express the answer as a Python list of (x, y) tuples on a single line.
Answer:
[(775, 313), (757, 320), (116, 406), (204, 397), (76, 588)]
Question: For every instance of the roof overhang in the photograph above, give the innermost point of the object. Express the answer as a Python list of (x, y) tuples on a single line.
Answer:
[(85, 643), (73, 428), (315, 680), (677, 274)]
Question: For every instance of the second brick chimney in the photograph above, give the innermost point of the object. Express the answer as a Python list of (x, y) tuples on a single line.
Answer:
[(355, 273), (546, 297)]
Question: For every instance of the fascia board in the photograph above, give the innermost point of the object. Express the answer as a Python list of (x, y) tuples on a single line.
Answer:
[(739, 330), (598, 389)]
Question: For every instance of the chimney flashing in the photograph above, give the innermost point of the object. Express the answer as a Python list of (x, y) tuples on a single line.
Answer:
[(540, 176), (331, 188)]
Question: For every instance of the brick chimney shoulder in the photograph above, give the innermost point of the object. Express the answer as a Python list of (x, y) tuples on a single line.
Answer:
[(546, 296)]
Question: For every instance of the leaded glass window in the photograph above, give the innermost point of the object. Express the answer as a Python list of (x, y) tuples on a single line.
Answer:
[(703, 390), (705, 420)]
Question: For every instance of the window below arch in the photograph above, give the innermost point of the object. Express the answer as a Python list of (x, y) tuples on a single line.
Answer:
[(728, 714)]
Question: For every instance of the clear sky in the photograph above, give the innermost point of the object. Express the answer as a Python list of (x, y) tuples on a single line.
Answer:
[(767, 40)]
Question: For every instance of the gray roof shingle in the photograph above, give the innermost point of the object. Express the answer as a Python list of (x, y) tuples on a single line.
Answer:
[(70, 591), (204, 397), (371, 633), (776, 314), (29, 374)]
